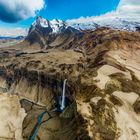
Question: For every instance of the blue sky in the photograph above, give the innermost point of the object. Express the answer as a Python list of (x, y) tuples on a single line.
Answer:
[(69, 9), (61, 9), (16, 16)]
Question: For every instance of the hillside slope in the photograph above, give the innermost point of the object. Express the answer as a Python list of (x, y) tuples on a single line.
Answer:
[(102, 98)]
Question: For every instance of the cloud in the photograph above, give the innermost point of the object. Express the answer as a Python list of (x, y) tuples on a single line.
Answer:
[(13, 32), (15, 10), (127, 9)]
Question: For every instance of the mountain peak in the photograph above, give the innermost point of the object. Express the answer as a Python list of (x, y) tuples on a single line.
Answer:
[(43, 29), (56, 25), (40, 21)]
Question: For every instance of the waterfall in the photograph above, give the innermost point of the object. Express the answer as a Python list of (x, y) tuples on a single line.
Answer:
[(63, 95)]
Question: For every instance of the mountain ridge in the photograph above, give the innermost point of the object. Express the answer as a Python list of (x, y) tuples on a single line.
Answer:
[(114, 23), (57, 25)]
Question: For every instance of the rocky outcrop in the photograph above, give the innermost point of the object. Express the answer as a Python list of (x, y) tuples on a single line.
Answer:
[(11, 117)]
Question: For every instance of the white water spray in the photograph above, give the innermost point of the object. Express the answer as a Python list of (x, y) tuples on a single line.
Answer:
[(63, 96)]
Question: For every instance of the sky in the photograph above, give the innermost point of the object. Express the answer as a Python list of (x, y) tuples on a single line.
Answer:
[(18, 15), (128, 10)]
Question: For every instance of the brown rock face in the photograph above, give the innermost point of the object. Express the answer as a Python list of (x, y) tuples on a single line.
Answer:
[(137, 106), (102, 69)]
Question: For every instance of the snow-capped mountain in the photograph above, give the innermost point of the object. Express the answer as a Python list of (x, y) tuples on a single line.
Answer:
[(55, 25), (47, 27), (58, 26), (45, 31), (104, 21)]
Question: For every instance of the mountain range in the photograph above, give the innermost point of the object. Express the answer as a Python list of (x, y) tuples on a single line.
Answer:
[(115, 23), (92, 24), (56, 32), (93, 69), (12, 38)]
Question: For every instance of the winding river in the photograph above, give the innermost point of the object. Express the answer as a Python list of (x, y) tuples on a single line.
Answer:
[(40, 117)]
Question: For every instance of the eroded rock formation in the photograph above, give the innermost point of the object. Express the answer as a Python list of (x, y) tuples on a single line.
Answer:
[(11, 117)]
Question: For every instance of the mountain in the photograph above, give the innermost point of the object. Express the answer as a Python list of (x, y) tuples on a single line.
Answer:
[(113, 22), (11, 38), (54, 26), (56, 32), (94, 74), (47, 33)]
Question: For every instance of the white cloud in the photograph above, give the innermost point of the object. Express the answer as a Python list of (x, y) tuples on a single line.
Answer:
[(21, 9), (13, 32), (15, 10), (127, 9)]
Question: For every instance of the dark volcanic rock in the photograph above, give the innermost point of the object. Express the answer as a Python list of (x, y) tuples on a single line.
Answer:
[(137, 106)]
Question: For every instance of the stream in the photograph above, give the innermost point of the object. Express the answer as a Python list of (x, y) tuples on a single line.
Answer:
[(39, 122), (40, 117)]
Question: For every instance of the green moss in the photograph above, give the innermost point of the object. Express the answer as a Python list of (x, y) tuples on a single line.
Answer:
[(103, 117), (82, 132), (112, 85), (115, 100), (127, 85), (137, 106), (86, 92)]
